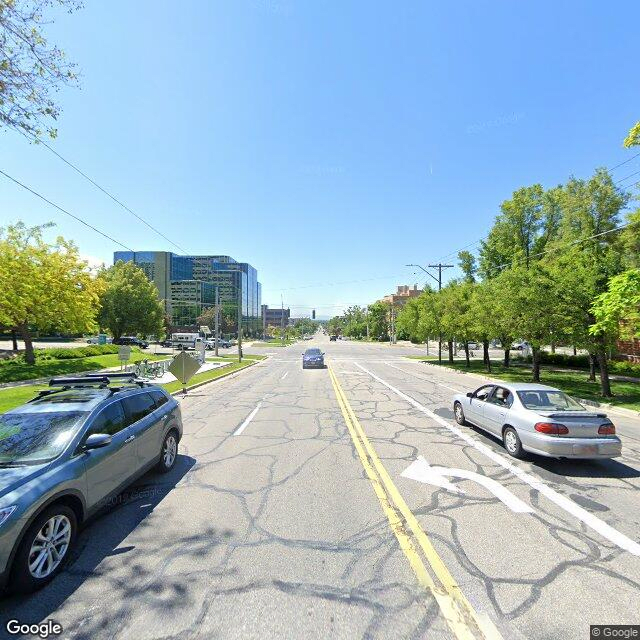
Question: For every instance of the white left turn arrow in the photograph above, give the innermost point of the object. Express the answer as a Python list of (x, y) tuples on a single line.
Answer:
[(422, 471)]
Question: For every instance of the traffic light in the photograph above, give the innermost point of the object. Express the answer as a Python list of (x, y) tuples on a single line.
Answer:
[(313, 314)]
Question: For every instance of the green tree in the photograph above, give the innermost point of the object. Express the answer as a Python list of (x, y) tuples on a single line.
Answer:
[(378, 318), (633, 138), (515, 234), (467, 263), (618, 309), (129, 303), (44, 286), (31, 68)]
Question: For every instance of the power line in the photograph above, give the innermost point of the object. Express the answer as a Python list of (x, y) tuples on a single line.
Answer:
[(454, 253), (71, 215), (95, 184)]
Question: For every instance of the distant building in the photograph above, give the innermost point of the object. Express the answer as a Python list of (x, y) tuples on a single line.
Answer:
[(275, 317), (187, 285), (402, 295)]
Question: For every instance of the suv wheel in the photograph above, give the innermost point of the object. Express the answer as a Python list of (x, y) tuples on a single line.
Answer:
[(169, 452), (44, 548)]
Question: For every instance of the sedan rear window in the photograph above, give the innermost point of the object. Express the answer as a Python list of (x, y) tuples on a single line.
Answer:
[(541, 400), (36, 438)]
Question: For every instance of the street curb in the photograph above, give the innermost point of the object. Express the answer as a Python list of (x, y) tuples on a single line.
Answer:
[(224, 375), (609, 407)]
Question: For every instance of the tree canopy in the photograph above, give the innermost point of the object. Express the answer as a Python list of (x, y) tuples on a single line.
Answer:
[(31, 68)]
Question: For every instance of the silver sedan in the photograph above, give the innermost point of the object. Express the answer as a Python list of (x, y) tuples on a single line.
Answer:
[(538, 419)]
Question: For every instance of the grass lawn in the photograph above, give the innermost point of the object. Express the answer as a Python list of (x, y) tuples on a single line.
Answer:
[(15, 396), (210, 375), (15, 371), (575, 383)]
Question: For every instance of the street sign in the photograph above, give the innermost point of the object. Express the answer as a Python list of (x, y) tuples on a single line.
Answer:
[(204, 329), (184, 367), (422, 471), (124, 353)]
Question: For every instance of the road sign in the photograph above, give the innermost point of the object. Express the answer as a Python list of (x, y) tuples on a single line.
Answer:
[(204, 329), (422, 471), (184, 367), (124, 353)]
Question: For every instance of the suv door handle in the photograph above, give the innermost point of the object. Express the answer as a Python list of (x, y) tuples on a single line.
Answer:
[(131, 438)]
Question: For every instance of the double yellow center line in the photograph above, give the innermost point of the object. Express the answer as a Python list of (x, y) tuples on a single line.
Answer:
[(460, 616)]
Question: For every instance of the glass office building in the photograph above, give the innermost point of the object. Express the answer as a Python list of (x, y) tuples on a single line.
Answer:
[(189, 282)]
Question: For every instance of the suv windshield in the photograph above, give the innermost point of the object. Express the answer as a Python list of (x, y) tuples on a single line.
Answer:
[(36, 438), (549, 401), (313, 352)]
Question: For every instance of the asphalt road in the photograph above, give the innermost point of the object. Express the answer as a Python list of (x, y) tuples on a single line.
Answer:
[(287, 517)]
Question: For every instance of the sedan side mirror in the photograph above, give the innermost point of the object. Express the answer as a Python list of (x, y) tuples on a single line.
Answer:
[(97, 441), (470, 394)]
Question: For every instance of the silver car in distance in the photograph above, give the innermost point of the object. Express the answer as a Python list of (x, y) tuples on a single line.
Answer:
[(538, 419)]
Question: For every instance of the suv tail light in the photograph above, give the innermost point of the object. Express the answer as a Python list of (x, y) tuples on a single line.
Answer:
[(607, 429), (551, 428)]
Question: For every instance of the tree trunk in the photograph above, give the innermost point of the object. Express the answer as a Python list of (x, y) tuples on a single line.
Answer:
[(14, 339), (29, 355), (605, 384), (553, 347), (485, 355), (466, 353), (507, 358), (450, 346), (535, 363), (592, 367), (575, 351)]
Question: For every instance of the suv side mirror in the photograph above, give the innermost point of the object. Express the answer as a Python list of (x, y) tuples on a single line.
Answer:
[(470, 394), (97, 441)]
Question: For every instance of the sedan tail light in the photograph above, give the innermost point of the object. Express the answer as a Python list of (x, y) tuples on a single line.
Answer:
[(551, 428), (607, 429)]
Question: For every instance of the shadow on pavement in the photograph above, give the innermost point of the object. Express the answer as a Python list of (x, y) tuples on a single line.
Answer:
[(98, 540), (558, 468)]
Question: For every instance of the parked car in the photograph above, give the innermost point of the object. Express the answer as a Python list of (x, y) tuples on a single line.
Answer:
[(132, 341), (521, 345), (96, 340), (64, 454), (538, 419), (333, 338), (313, 358), (222, 343)]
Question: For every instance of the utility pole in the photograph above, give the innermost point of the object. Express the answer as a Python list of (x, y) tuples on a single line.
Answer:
[(439, 267), (239, 316), (217, 320)]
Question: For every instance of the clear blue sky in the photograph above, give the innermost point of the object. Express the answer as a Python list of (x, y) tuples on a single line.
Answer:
[(326, 142)]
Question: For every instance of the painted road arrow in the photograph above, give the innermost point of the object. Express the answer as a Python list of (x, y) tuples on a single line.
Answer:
[(422, 471)]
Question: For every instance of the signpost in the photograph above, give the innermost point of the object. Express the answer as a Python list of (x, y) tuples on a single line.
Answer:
[(124, 354), (184, 367)]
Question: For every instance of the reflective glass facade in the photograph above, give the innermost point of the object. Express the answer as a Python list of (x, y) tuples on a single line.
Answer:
[(187, 285)]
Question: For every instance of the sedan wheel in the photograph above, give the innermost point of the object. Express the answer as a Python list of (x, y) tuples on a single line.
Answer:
[(169, 452), (512, 443), (459, 414), (44, 548)]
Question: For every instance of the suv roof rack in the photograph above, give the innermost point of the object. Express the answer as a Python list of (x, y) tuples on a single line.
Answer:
[(99, 380)]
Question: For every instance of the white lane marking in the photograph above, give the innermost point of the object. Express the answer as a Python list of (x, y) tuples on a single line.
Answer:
[(286, 373), (569, 506), (440, 384), (247, 420), (422, 471)]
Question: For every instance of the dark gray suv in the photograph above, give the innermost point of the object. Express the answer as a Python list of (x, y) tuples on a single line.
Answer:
[(64, 454)]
